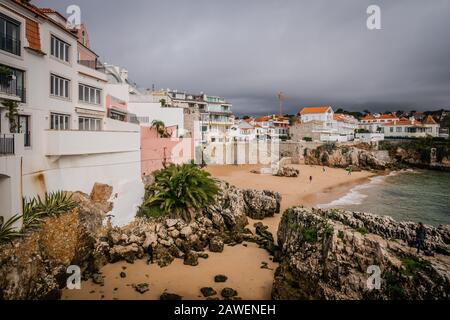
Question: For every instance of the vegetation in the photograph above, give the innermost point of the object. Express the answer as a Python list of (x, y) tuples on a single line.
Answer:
[(362, 131), (307, 139), (163, 102), (310, 234), (161, 129), (178, 191), (7, 230), (412, 265), (12, 115), (362, 230), (341, 234), (34, 212)]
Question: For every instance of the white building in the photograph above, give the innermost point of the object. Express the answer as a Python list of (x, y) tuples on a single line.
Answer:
[(374, 123), (69, 143), (412, 128), (322, 124)]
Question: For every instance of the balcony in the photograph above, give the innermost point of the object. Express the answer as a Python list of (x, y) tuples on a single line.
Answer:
[(70, 143), (10, 45), (92, 67), (11, 89), (7, 144)]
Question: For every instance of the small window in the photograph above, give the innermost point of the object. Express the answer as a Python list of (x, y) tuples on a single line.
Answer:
[(10, 35), (59, 121), (59, 86), (59, 49)]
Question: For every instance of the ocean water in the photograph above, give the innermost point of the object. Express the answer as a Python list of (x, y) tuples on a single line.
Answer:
[(411, 195)]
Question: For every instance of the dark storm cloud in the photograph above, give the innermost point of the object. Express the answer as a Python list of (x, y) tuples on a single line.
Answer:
[(317, 52)]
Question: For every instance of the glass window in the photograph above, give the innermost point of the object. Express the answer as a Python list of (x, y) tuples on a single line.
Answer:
[(59, 121), (59, 49), (10, 35), (89, 94), (89, 124), (59, 86)]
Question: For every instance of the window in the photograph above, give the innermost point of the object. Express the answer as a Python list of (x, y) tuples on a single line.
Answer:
[(89, 124), (59, 121), (117, 116), (89, 94), (59, 87), (24, 127), (12, 82), (399, 129), (391, 129), (9, 35), (59, 49)]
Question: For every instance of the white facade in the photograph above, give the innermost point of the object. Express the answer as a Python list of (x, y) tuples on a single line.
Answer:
[(58, 154)]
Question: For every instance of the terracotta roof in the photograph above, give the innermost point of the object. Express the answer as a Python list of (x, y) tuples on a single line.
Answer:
[(384, 116), (429, 120), (405, 122), (309, 110)]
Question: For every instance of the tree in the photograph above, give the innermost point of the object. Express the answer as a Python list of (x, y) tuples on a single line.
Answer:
[(160, 128), (12, 115), (163, 102)]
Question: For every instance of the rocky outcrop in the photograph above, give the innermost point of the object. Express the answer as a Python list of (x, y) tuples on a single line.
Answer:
[(35, 266), (333, 254), (288, 172), (344, 157), (221, 223)]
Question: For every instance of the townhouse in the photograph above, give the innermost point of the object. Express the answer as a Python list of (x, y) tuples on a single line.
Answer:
[(374, 123), (62, 136), (412, 128)]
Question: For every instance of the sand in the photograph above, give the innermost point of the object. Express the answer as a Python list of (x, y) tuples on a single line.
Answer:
[(241, 264)]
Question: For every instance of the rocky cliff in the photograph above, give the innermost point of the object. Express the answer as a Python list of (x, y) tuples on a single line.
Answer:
[(332, 254), (34, 266), (345, 156)]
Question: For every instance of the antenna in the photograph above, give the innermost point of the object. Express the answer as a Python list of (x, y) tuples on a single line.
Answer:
[(281, 99)]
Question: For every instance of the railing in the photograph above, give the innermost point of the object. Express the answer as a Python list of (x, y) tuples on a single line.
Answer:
[(6, 144), (10, 45), (8, 86), (92, 64)]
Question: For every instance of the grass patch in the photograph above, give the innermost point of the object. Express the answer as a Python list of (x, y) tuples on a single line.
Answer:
[(341, 234), (362, 230), (310, 235), (412, 265)]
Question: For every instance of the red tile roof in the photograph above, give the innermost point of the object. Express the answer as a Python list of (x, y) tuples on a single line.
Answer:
[(385, 116), (429, 120), (320, 109)]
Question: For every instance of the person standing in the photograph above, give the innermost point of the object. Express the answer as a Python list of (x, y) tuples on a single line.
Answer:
[(310, 179), (421, 234)]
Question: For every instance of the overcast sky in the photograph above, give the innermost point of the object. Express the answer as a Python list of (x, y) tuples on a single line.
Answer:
[(316, 52)]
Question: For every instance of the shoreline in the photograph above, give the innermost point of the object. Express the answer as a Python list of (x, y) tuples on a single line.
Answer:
[(241, 263)]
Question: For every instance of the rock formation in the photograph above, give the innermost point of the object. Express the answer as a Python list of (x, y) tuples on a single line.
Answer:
[(332, 255), (287, 172), (35, 266)]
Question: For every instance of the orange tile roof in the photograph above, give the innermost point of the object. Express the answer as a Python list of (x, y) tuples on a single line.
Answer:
[(309, 110), (33, 35), (429, 120), (405, 122), (384, 116)]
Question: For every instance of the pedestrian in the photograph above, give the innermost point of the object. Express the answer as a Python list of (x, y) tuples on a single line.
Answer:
[(323, 168), (150, 254), (421, 234), (310, 179), (350, 171)]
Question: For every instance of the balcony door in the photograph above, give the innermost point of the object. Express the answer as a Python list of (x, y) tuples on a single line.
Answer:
[(23, 122)]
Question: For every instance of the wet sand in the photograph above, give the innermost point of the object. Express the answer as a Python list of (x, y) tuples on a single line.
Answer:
[(241, 264)]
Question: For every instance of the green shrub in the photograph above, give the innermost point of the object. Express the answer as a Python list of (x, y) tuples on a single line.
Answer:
[(307, 139), (310, 234), (362, 230), (341, 235), (179, 190), (7, 231), (412, 265)]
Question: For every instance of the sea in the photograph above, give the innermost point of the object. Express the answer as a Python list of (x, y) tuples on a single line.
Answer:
[(408, 195)]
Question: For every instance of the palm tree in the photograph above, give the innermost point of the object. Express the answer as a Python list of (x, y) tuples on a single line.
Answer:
[(160, 128), (179, 191)]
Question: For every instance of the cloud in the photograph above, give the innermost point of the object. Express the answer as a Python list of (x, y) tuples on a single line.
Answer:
[(317, 52)]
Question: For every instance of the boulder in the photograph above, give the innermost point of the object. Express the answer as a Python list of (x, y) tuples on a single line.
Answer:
[(228, 293), (141, 287), (170, 296), (261, 204), (216, 244), (191, 259), (128, 253), (288, 172), (220, 278), (208, 292)]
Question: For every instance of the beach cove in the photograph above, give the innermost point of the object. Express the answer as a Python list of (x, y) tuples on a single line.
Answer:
[(242, 264)]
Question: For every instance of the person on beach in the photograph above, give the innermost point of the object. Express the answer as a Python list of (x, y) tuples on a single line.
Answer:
[(150, 254), (421, 234), (310, 179), (349, 171), (323, 169)]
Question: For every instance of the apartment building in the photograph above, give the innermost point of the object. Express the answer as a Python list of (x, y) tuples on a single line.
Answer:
[(62, 135), (271, 127), (216, 119)]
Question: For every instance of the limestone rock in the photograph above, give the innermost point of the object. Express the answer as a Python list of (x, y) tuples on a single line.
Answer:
[(288, 172), (216, 244), (191, 259)]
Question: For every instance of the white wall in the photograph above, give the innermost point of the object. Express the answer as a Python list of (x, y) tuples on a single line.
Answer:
[(154, 111)]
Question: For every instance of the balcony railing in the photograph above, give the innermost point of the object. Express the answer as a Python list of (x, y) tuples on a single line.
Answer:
[(10, 45), (6, 144), (10, 87), (92, 64)]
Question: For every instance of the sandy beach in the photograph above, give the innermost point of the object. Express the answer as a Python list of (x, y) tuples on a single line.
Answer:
[(241, 263)]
